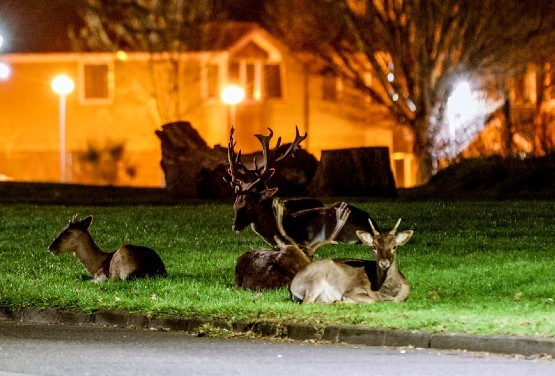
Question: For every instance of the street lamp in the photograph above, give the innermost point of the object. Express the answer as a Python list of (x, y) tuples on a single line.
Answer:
[(62, 85), (232, 95), (5, 69)]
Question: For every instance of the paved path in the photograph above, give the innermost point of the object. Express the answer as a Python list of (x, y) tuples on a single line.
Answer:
[(38, 349)]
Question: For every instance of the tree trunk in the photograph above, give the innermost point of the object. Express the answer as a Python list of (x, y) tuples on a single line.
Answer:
[(354, 172), (422, 149), (184, 155)]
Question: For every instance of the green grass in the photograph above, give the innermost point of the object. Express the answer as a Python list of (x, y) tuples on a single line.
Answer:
[(474, 267)]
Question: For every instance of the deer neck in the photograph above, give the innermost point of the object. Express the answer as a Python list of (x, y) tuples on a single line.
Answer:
[(384, 274), (90, 255), (265, 222)]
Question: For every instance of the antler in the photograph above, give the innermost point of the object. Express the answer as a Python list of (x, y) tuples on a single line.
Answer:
[(277, 205), (374, 231), (245, 179), (392, 232), (271, 157), (234, 160), (341, 215), (237, 170)]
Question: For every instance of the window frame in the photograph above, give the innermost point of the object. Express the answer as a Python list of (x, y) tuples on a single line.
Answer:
[(258, 92), (110, 82)]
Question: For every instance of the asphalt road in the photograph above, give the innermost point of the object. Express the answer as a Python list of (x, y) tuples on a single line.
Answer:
[(30, 349)]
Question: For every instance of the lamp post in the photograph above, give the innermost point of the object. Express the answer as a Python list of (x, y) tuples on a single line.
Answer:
[(5, 70), (62, 85), (232, 95)]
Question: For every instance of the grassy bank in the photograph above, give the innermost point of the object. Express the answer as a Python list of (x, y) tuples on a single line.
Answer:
[(476, 267)]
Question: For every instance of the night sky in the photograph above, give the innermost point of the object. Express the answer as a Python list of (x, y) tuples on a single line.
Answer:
[(41, 25)]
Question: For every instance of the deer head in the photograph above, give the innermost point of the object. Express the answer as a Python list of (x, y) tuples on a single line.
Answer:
[(384, 245), (71, 236), (244, 179), (251, 184)]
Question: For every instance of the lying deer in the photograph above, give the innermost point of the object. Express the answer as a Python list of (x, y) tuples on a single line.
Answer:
[(355, 280), (263, 269), (305, 220), (127, 262)]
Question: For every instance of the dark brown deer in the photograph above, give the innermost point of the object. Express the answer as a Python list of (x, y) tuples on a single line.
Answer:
[(305, 219), (263, 269), (127, 262), (355, 280)]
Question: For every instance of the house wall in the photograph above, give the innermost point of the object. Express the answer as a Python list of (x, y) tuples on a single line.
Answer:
[(30, 123)]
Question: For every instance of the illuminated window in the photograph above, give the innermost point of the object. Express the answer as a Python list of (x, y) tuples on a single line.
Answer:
[(272, 81), (96, 83), (212, 79), (260, 80)]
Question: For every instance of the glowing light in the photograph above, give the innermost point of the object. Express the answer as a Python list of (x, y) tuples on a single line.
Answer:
[(62, 84), (395, 97), (1, 41), (121, 55), (390, 77), (462, 106), (5, 71), (232, 95)]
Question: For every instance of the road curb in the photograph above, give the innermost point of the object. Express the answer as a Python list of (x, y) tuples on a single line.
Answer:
[(355, 335)]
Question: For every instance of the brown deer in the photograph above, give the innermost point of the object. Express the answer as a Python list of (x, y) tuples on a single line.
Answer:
[(263, 269), (355, 280), (127, 262), (305, 219)]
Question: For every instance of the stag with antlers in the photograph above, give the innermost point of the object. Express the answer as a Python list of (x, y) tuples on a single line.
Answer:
[(305, 219), (253, 197)]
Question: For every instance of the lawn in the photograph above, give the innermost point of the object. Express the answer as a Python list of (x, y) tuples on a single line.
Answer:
[(474, 267)]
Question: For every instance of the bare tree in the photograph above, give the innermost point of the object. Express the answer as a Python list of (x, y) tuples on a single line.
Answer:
[(163, 28), (415, 50)]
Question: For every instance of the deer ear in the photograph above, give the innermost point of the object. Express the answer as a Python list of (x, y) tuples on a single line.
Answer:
[(403, 237), (86, 223), (365, 237), (269, 192)]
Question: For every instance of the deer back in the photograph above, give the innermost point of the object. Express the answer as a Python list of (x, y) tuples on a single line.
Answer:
[(132, 261), (255, 209), (268, 268), (315, 224)]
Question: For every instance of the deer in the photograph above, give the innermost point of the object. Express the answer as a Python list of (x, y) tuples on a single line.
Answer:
[(356, 280), (305, 219), (264, 269), (127, 262)]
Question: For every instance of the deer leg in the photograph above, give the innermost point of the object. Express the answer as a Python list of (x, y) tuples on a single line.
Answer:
[(403, 293), (358, 296), (100, 277)]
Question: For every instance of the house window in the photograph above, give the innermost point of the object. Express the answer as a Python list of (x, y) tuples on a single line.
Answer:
[(260, 80), (272, 81), (212, 80), (96, 83)]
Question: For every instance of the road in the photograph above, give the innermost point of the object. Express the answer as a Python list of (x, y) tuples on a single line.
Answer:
[(29, 349)]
